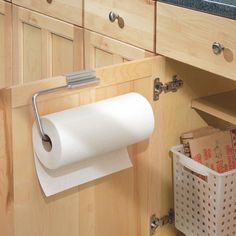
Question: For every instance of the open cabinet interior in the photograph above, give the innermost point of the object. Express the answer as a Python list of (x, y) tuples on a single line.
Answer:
[(120, 204), (219, 107)]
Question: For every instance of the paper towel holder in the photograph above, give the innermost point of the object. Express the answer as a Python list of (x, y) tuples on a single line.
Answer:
[(73, 80)]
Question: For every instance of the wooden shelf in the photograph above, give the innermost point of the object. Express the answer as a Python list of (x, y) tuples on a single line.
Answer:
[(222, 106)]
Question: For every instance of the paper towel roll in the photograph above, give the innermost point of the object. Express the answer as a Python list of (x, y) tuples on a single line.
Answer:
[(91, 134)]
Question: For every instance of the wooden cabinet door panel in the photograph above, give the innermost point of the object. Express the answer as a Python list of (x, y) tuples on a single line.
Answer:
[(44, 47), (104, 207), (103, 51), (5, 44)]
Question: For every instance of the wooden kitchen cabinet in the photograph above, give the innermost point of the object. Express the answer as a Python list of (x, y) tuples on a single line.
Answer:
[(104, 51), (188, 36), (138, 17), (119, 204), (5, 44), (44, 49), (69, 10), (44, 46)]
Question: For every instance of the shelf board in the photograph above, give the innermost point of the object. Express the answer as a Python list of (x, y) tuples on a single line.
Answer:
[(222, 106)]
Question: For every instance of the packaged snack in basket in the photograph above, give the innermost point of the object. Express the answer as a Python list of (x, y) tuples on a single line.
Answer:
[(216, 151), (197, 133)]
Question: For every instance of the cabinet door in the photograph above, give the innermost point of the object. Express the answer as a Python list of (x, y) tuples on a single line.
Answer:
[(5, 44), (103, 51), (69, 10), (44, 46), (108, 206), (137, 15)]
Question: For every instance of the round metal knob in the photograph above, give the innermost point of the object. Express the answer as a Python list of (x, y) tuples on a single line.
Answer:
[(217, 48), (49, 1), (113, 16)]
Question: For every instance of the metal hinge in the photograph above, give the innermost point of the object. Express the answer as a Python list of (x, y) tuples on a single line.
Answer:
[(158, 222), (171, 86)]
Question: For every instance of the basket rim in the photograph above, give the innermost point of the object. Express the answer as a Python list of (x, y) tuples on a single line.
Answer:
[(176, 150)]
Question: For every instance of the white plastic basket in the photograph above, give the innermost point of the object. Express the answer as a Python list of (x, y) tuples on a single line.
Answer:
[(203, 207)]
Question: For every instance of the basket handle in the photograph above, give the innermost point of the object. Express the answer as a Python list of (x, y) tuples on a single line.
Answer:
[(191, 165)]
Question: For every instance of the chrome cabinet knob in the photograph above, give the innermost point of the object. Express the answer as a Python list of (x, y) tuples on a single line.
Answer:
[(114, 16), (217, 48)]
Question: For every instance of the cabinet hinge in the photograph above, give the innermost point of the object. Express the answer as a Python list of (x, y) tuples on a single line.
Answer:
[(159, 222), (171, 86)]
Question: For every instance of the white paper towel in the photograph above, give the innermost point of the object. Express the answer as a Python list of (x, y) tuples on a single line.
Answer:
[(90, 141)]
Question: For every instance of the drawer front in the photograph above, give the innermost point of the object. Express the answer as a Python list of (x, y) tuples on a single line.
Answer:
[(137, 16), (188, 36), (44, 47), (69, 10)]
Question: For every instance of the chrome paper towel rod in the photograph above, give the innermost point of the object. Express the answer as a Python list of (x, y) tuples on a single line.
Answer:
[(73, 80)]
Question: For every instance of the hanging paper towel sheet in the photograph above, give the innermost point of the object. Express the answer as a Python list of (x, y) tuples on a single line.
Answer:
[(90, 141)]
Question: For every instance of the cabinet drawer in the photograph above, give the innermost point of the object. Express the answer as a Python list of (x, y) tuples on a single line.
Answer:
[(138, 17), (188, 36), (69, 10)]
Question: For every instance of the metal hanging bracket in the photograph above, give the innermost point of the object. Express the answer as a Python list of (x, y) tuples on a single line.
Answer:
[(171, 86), (159, 222), (73, 80)]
